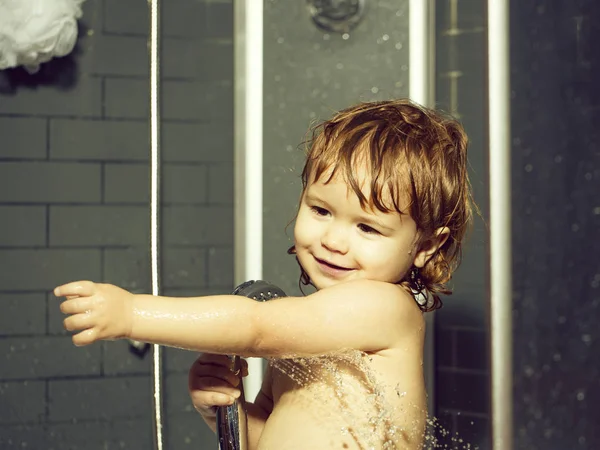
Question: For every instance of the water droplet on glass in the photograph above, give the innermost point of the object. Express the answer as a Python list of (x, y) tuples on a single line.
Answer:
[(345, 36)]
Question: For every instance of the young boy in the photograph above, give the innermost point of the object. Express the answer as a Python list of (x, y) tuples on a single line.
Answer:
[(383, 210)]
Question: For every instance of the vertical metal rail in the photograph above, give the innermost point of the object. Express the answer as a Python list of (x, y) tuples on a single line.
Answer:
[(421, 25), (154, 47), (248, 143), (500, 223)]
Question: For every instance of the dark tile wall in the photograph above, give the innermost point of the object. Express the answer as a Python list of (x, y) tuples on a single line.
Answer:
[(309, 74), (74, 204), (555, 65), (462, 394)]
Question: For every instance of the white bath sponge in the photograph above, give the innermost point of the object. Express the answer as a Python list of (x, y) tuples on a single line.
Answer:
[(33, 32)]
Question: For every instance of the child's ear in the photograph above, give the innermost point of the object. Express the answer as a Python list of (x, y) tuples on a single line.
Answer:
[(428, 247)]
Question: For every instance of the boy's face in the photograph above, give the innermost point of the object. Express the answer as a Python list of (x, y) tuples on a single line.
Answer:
[(336, 240)]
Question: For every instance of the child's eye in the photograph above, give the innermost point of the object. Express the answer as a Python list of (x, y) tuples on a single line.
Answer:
[(367, 229), (319, 211)]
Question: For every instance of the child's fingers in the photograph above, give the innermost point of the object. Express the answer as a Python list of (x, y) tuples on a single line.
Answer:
[(86, 337), (212, 384), (79, 288), (76, 305), (78, 322), (205, 402), (200, 370)]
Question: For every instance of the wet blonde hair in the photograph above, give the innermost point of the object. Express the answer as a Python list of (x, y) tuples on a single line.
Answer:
[(413, 153)]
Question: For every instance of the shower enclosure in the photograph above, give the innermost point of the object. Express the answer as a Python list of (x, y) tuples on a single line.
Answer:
[(75, 200)]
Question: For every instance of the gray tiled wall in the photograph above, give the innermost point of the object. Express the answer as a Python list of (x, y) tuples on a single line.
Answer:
[(74, 204), (462, 348)]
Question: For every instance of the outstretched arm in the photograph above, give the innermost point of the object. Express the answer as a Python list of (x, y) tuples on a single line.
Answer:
[(362, 315)]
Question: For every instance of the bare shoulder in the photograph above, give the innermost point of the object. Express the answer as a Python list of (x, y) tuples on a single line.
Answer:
[(390, 303)]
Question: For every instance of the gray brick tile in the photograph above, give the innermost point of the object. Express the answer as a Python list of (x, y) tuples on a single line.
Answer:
[(119, 55), (20, 437), (22, 225), (220, 266), (47, 182), (191, 100), (128, 268), (182, 18), (472, 349), (22, 402), (119, 360), (22, 313), (184, 267), (211, 225), (93, 15), (462, 391), (83, 99), (106, 398), (23, 137), (186, 100), (198, 142), (177, 399), (126, 183), (201, 60), (179, 183), (220, 20), (188, 430), (126, 98), (126, 16), (122, 433), (43, 269), (98, 140), (48, 356), (221, 184), (178, 360), (185, 183), (445, 346), (133, 434), (182, 100), (99, 225)]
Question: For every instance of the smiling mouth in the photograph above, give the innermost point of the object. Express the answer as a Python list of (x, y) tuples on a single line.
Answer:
[(331, 266)]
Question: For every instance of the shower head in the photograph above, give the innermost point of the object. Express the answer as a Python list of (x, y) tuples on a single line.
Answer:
[(232, 428)]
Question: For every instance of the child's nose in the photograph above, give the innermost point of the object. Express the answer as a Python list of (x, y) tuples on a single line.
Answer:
[(334, 239)]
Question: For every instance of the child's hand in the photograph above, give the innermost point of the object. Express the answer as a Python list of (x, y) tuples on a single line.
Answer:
[(102, 311), (211, 383)]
